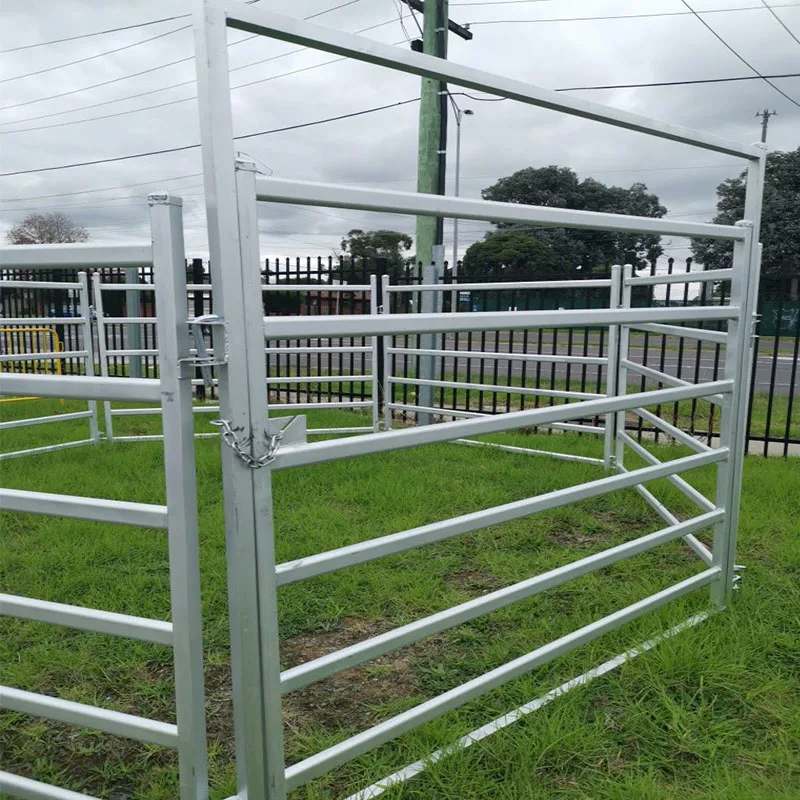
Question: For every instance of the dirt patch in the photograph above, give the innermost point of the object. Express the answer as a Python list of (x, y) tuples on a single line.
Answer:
[(473, 580), (349, 698)]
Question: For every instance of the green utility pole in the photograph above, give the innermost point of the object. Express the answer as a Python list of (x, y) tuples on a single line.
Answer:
[(431, 162)]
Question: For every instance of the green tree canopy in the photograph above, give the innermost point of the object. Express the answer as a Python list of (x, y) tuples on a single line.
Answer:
[(780, 218), (509, 251), (560, 187), (378, 251)]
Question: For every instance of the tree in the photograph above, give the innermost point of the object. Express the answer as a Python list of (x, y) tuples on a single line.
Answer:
[(47, 229), (780, 217), (509, 251), (378, 251), (559, 187)]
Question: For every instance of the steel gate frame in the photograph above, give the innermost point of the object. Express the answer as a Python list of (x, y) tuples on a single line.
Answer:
[(86, 354), (178, 517), (232, 190)]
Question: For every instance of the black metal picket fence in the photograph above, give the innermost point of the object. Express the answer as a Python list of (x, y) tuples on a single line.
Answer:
[(774, 422)]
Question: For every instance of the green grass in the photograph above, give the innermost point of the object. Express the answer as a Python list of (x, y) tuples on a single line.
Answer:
[(714, 713)]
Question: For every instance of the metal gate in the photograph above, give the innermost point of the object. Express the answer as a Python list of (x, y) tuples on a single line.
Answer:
[(254, 448), (178, 518)]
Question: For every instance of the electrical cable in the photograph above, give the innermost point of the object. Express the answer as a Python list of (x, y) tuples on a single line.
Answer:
[(780, 21), (739, 55), (193, 146)]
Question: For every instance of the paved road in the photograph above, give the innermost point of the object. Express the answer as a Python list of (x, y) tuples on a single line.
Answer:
[(692, 368)]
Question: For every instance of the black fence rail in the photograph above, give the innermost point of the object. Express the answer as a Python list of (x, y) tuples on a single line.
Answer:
[(774, 419)]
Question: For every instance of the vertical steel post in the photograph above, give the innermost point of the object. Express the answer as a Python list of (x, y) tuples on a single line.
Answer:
[(100, 318), (612, 367), (88, 347), (388, 358), (243, 403), (374, 357), (622, 372), (738, 363), (179, 468)]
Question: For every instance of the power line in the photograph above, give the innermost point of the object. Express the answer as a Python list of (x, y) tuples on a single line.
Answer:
[(650, 15), (739, 56), (677, 83), (780, 21), (160, 66), (193, 146)]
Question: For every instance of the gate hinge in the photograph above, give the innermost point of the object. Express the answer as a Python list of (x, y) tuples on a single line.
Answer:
[(203, 359)]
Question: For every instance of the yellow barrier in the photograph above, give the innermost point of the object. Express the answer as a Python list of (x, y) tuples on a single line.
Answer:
[(26, 342)]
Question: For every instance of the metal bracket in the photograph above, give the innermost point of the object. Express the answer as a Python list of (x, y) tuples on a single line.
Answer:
[(204, 360)]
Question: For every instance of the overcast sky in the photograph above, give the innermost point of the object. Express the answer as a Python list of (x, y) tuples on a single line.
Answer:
[(377, 149)]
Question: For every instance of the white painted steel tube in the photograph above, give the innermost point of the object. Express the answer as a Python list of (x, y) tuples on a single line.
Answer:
[(490, 354), (319, 379), (131, 320), (50, 448), (134, 390), (317, 349), (531, 451), (314, 287), (317, 452), (102, 719), (43, 321), (496, 388), (325, 666), (26, 423), (87, 619), (94, 509), (323, 405), (322, 563), (255, 19), (27, 789), (598, 283), (42, 356), (48, 256), (681, 277), (719, 337), (316, 765), (368, 325), (75, 286)]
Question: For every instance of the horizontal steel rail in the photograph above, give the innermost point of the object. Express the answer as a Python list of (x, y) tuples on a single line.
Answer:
[(131, 320), (4, 284), (361, 552), (679, 483), (593, 283), (317, 452), (48, 256), (256, 19), (102, 719), (27, 789), (279, 407), (87, 619), (318, 349), (316, 765), (672, 431), (332, 195), (496, 356), (49, 448), (62, 354), (82, 387), (324, 431), (43, 321), (681, 277), (510, 448), (325, 666), (495, 388), (401, 324), (720, 337), (26, 423), (317, 379), (128, 353), (92, 509), (315, 287), (663, 377)]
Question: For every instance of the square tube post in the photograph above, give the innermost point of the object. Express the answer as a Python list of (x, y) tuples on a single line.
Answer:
[(102, 349), (243, 403), (88, 348), (622, 370), (375, 355), (612, 367), (166, 219), (738, 363), (388, 358), (132, 334)]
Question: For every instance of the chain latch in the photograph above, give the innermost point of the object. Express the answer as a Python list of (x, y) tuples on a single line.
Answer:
[(241, 444)]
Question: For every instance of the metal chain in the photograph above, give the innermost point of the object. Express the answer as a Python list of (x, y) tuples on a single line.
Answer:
[(231, 438)]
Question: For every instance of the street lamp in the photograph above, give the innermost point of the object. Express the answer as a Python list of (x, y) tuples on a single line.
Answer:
[(459, 113)]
